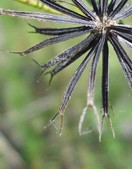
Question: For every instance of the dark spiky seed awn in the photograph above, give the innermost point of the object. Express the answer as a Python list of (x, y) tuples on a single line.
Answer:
[(101, 25)]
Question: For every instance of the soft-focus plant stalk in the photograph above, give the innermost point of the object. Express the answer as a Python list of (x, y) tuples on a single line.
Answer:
[(37, 4)]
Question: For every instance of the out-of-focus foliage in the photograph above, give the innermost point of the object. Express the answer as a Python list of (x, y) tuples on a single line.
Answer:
[(37, 4), (26, 106)]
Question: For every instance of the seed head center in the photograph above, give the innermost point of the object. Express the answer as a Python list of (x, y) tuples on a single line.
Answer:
[(104, 23)]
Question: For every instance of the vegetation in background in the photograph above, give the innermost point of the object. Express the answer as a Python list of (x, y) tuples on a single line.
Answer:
[(26, 106)]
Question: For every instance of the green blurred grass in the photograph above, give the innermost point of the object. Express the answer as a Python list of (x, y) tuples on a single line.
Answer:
[(26, 106)]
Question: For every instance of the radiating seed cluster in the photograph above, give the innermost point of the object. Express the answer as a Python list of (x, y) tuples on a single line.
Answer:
[(101, 25)]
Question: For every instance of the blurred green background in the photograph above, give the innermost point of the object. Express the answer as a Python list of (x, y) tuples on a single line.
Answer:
[(27, 106)]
